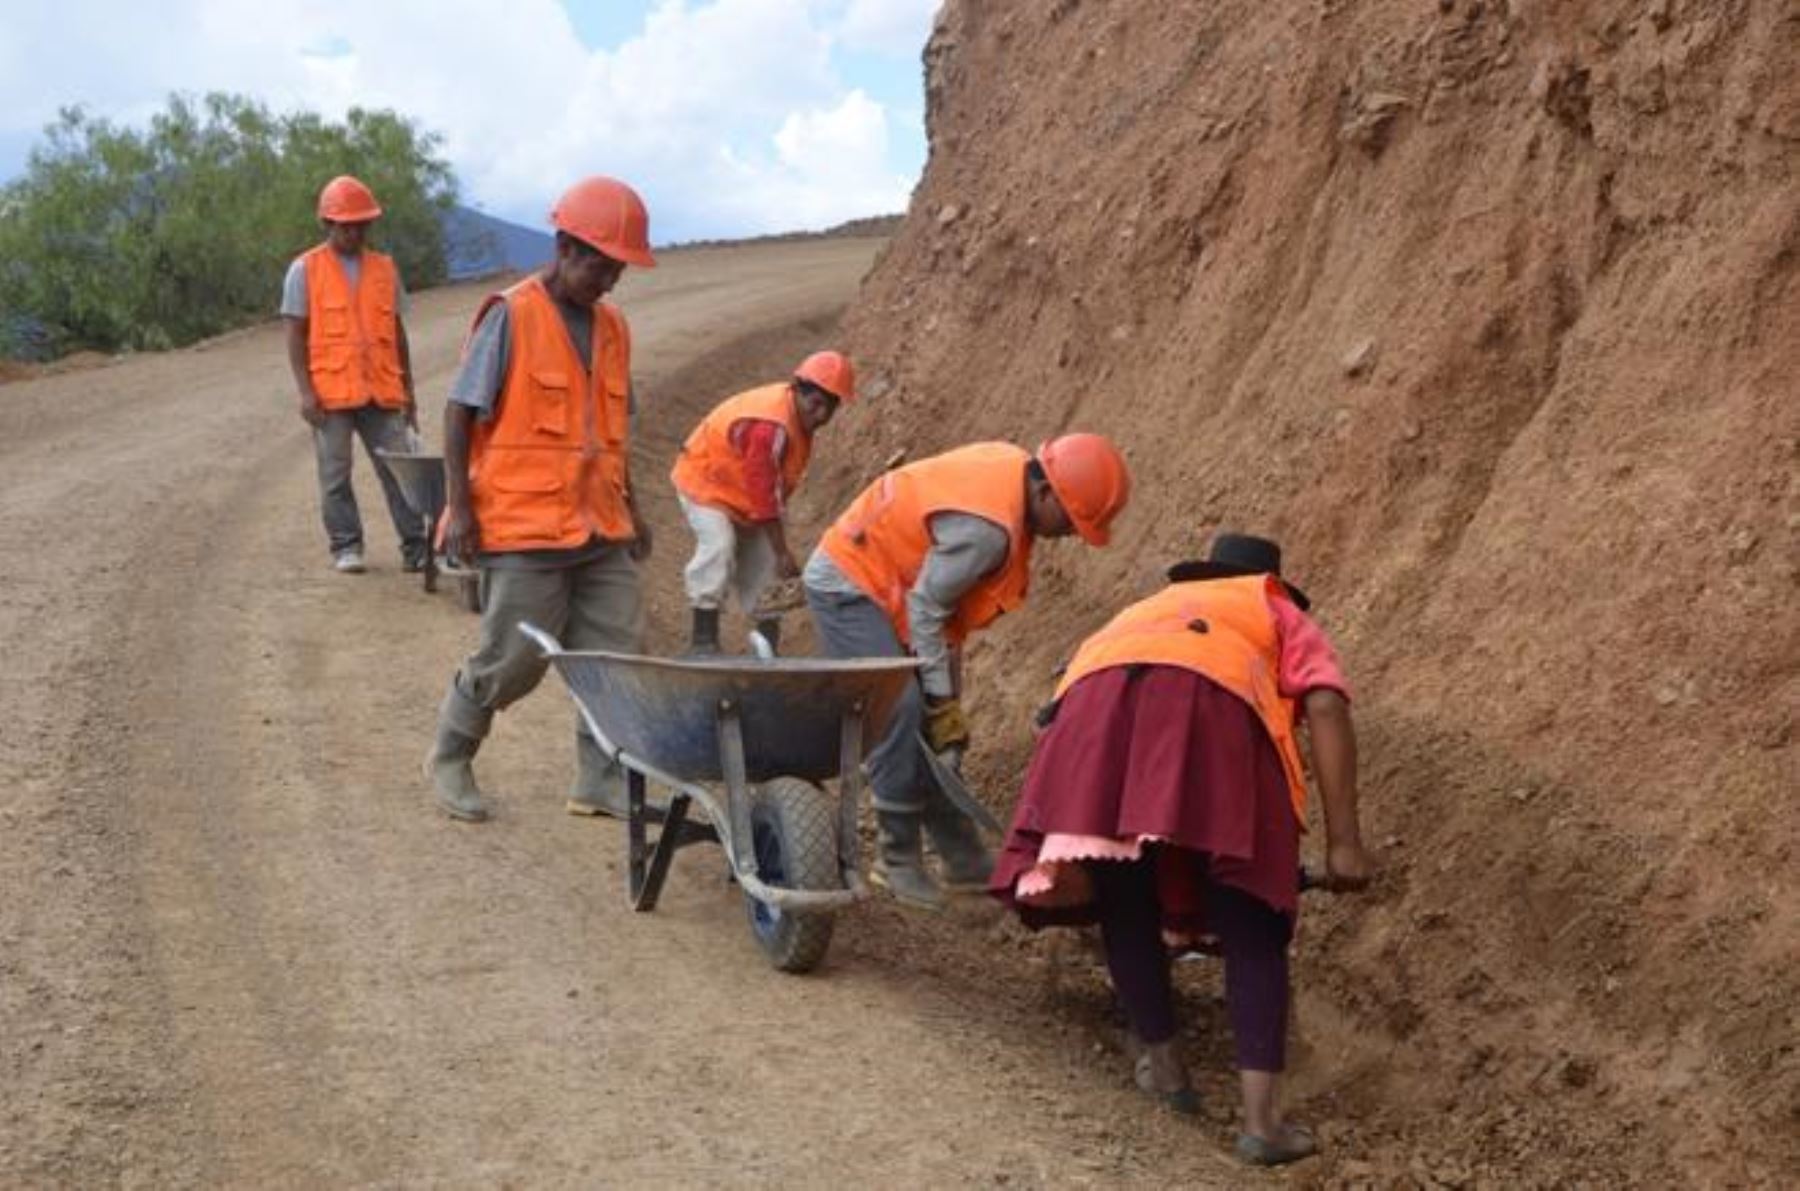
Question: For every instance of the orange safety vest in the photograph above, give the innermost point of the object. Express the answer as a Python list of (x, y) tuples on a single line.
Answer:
[(881, 540), (1222, 628), (710, 471), (548, 470), (353, 332)]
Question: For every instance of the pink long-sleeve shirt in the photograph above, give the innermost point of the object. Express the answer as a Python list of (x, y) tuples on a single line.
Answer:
[(761, 444), (1308, 659)]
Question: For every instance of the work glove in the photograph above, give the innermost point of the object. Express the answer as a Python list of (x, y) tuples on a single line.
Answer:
[(784, 595), (946, 729)]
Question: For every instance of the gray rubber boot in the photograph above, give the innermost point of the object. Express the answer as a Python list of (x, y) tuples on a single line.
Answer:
[(900, 861), (450, 769), (964, 860), (705, 642), (771, 631), (599, 787)]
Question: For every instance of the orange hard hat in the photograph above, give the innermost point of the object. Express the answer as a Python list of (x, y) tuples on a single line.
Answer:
[(1090, 478), (830, 371), (347, 200), (607, 215)]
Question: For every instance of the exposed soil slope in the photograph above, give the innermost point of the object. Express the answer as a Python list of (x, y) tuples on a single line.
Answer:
[(1489, 312)]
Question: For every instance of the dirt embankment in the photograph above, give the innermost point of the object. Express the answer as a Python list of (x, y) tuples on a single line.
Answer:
[(1489, 312)]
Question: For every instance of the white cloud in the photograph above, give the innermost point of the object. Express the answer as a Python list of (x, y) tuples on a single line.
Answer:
[(731, 116), (887, 26), (837, 158)]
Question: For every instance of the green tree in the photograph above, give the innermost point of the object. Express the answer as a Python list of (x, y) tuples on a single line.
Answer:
[(118, 237)]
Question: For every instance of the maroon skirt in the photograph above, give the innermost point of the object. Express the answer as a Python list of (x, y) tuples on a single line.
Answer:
[(1160, 752)]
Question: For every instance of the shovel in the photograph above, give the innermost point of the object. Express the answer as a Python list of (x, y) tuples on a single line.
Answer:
[(951, 783)]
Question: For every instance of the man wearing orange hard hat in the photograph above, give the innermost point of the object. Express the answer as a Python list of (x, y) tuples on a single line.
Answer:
[(346, 337), (926, 555), (734, 477), (537, 491)]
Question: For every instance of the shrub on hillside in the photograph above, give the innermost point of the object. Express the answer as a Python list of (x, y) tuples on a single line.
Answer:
[(126, 238)]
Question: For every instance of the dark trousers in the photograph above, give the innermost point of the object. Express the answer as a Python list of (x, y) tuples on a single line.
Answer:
[(334, 451), (1253, 937)]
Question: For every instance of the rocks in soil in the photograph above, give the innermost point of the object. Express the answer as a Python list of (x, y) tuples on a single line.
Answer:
[(1360, 358)]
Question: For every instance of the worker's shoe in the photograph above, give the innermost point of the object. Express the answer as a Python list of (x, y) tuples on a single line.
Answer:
[(450, 767), (705, 637), (599, 787), (349, 561), (414, 556), (1291, 1143), (1162, 1076), (900, 861), (965, 862), (771, 632)]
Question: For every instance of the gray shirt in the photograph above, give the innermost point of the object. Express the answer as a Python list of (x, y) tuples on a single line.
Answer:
[(293, 286), (965, 549)]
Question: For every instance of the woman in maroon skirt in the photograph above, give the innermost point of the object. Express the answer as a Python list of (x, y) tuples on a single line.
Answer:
[(1166, 799)]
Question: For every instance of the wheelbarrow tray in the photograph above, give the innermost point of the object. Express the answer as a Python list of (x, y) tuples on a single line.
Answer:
[(421, 480), (665, 712)]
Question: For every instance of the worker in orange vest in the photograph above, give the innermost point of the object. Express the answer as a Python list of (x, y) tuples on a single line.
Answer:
[(926, 555), (537, 490), (346, 337), (734, 477), (1166, 797)]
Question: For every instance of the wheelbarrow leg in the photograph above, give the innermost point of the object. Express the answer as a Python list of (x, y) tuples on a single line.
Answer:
[(649, 867), (637, 847), (850, 795), (431, 570), (739, 847)]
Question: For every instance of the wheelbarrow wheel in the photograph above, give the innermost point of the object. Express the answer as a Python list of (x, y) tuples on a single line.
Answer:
[(793, 825)]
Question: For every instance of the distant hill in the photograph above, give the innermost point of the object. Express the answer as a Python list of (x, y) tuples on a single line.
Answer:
[(869, 225), (478, 245)]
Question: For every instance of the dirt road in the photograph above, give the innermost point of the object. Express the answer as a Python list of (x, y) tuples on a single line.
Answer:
[(238, 946)]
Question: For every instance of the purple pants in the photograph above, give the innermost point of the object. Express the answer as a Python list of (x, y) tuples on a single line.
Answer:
[(1254, 939)]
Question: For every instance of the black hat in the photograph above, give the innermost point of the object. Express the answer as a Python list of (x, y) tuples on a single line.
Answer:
[(1235, 554)]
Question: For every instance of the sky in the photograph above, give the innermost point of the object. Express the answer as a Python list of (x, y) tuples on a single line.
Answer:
[(730, 117)]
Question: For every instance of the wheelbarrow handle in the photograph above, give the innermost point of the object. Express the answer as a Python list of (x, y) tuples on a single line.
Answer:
[(951, 783), (544, 641)]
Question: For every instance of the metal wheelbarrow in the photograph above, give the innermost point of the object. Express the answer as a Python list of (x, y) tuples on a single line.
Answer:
[(750, 740), (421, 480)]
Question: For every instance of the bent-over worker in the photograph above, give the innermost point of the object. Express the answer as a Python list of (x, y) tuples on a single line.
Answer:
[(926, 555), (1166, 795), (537, 489), (734, 477)]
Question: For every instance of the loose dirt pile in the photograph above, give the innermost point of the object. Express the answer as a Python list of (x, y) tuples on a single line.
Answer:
[(1489, 312)]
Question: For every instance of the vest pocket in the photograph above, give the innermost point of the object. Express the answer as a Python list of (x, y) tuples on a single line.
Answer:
[(530, 472), (615, 414), (331, 366), (334, 320), (333, 357), (550, 404)]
